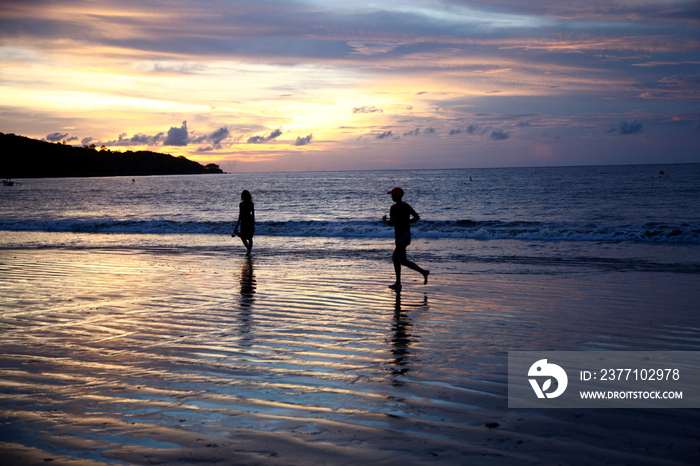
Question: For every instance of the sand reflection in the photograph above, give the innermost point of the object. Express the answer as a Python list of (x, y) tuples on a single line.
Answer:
[(402, 339), (246, 300)]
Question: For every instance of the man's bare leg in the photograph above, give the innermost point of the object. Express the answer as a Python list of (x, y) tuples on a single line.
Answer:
[(414, 266), (397, 270)]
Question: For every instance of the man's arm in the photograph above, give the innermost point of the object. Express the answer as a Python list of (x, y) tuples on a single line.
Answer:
[(389, 220), (414, 216)]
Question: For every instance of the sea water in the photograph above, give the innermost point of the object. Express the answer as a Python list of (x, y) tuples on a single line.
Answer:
[(129, 306), (508, 220)]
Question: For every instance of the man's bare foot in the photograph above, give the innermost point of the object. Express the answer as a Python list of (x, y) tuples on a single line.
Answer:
[(395, 286), (425, 277)]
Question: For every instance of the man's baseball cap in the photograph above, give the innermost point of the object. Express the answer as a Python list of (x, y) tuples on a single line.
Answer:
[(398, 191)]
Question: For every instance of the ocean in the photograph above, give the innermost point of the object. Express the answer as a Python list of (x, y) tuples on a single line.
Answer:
[(134, 329), (507, 220)]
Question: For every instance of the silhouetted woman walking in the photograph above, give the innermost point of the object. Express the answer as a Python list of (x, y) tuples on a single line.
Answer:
[(246, 221)]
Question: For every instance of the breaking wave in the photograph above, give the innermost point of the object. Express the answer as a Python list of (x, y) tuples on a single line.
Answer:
[(464, 229)]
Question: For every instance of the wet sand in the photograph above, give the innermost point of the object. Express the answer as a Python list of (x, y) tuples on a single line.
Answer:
[(163, 357)]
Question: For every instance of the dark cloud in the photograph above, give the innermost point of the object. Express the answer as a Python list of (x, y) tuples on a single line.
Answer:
[(138, 139), (470, 129), (367, 109), (144, 139), (216, 137), (385, 134), (430, 130), (499, 135), (412, 133), (55, 137), (177, 136), (257, 139), (219, 135), (261, 139), (455, 131), (303, 141), (629, 128)]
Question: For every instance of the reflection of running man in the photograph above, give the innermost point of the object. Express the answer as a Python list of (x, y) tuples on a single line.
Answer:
[(400, 342), (401, 216)]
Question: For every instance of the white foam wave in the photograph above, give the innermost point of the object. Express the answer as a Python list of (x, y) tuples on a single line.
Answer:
[(482, 230)]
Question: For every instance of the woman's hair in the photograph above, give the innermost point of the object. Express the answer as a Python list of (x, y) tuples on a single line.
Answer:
[(245, 195)]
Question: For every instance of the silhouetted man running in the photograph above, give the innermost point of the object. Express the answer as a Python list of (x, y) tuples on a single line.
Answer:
[(401, 216)]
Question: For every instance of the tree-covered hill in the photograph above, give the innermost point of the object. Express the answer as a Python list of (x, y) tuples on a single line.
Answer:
[(23, 157)]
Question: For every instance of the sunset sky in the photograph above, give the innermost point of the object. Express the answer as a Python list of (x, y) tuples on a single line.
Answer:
[(267, 85)]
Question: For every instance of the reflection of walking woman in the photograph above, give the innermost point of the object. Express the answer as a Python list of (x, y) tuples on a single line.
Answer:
[(246, 221)]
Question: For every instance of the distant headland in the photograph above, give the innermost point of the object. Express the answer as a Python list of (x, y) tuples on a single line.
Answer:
[(23, 157)]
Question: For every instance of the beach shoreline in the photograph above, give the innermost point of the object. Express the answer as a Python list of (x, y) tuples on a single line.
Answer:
[(179, 357)]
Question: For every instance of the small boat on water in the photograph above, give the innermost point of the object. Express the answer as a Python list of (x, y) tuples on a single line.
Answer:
[(8, 182)]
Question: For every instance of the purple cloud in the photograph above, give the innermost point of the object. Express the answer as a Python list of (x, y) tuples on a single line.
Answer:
[(499, 135), (261, 139), (177, 136), (56, 136), (303, 141)]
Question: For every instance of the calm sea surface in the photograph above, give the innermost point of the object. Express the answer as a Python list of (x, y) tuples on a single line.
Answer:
[(520, 220)]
